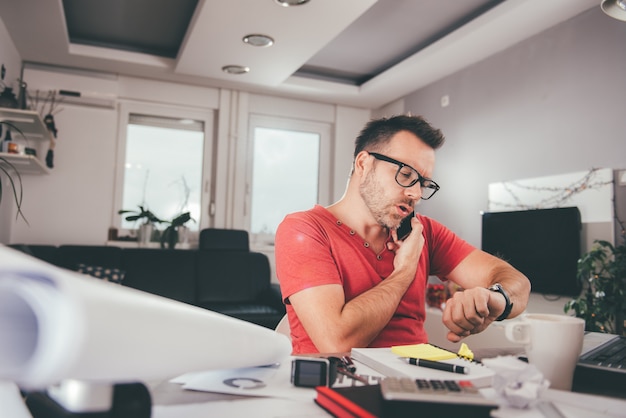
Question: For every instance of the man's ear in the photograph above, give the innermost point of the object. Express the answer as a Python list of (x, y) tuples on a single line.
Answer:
[(362, 162)]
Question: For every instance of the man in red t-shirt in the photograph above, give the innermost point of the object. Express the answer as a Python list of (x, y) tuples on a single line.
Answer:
[(347, 278)]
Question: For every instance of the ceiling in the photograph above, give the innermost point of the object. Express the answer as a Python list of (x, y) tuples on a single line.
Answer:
[(363, 53)]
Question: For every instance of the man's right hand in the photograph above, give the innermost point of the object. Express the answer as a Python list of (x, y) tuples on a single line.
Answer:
[(408, 251)]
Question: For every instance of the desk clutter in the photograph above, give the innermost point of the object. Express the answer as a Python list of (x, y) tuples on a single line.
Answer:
[(393, 362), (380, 383), (372, 382)]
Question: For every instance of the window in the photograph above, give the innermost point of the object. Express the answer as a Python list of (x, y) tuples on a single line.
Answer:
[(289, 171), (164, 162)]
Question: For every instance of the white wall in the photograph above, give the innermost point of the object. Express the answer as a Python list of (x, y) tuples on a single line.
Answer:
[(551, 105), (74, 202)]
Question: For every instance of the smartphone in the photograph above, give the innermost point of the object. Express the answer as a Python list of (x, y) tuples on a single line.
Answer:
[(405, 227)]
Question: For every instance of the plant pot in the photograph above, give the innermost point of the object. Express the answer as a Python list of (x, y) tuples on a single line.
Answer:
[(183, 234), (169, 238), (144, 234)]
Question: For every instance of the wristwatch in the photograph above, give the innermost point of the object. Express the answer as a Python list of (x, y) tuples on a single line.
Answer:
[(497, 287)]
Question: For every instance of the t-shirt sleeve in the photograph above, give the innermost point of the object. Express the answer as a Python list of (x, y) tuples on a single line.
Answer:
[(303, 255), (446, 249)]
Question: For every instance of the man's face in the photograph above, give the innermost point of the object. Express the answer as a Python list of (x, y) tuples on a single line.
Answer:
[(389, 202)]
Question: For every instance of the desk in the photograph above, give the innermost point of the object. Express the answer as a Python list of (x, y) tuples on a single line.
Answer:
[(171, 401)]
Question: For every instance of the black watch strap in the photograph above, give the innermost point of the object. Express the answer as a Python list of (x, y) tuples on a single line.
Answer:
[(497, 287)]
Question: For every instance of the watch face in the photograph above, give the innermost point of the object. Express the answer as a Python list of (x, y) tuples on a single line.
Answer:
[(310, 372)]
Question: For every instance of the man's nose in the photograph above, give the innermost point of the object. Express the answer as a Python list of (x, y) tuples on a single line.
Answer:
[(414, 192)]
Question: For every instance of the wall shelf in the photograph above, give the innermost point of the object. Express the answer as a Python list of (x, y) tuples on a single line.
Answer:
[(25, 164), (37, 137)]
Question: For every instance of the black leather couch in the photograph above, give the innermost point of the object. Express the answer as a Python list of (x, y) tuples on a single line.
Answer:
[(222, 275)]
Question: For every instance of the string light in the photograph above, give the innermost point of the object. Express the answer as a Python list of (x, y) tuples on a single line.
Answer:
[(560, 195)]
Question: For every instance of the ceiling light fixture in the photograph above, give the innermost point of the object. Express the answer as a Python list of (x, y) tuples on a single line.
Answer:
[(614, 8), (235, 69), (258, 40), (289, 3)]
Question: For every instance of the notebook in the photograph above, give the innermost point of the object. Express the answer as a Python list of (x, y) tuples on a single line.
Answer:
[(389, 363)]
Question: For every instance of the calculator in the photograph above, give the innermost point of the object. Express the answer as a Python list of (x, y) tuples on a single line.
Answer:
[(458, 392)]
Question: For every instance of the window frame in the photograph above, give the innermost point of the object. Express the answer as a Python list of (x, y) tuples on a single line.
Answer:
[(205, 116)]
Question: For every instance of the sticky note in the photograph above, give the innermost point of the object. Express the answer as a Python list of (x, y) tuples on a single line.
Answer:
[(423, 351), (465, 352)]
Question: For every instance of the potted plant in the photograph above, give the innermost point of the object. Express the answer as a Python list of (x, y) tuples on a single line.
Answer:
[(602, 304), (171, 234), (146, 227)]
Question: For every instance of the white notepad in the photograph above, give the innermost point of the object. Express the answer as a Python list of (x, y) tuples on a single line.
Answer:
[(389, 364)]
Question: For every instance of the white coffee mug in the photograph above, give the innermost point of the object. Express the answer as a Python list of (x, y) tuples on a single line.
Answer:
[(553, 344)]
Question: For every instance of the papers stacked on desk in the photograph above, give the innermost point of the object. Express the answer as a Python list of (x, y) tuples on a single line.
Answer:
[(387, 362)]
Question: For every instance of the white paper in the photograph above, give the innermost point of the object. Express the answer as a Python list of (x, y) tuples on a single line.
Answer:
[(518, 383), (57, 324), (250, 381)]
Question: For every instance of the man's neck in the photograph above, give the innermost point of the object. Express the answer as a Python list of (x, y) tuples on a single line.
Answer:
[(359, 218)]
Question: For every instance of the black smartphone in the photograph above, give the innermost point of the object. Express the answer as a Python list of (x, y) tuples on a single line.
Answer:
[(405, 227)]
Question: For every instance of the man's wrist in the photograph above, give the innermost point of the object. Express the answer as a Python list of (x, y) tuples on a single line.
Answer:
[(508, 307)]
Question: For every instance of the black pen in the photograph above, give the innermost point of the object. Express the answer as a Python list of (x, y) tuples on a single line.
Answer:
[(447, 367)]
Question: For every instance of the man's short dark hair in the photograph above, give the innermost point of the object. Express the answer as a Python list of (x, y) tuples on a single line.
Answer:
[(379, 131)]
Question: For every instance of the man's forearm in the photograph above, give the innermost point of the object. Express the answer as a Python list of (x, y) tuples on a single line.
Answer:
[(363, 317)]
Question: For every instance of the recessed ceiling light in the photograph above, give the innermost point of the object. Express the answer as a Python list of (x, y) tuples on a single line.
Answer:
[(235, 69), (289, 3), (258, 40), (614, 8)]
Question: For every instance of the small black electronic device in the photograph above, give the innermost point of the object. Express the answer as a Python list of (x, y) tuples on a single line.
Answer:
[(405, 227), (312, 372)]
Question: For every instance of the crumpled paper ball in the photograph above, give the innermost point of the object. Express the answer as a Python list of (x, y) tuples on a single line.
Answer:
[(516, 382)]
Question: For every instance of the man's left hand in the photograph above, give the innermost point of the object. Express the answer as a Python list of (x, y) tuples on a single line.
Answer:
[(471, 311)]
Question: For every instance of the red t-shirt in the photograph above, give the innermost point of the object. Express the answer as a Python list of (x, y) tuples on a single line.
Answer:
[(313, 248)]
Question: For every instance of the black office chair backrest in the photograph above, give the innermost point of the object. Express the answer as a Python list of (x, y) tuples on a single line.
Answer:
[(224, 239)]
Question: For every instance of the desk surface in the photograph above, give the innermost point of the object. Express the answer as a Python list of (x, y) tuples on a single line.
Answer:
[(171, 400)]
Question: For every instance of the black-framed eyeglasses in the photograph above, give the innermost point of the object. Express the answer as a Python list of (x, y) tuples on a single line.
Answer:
[(407, 176)]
